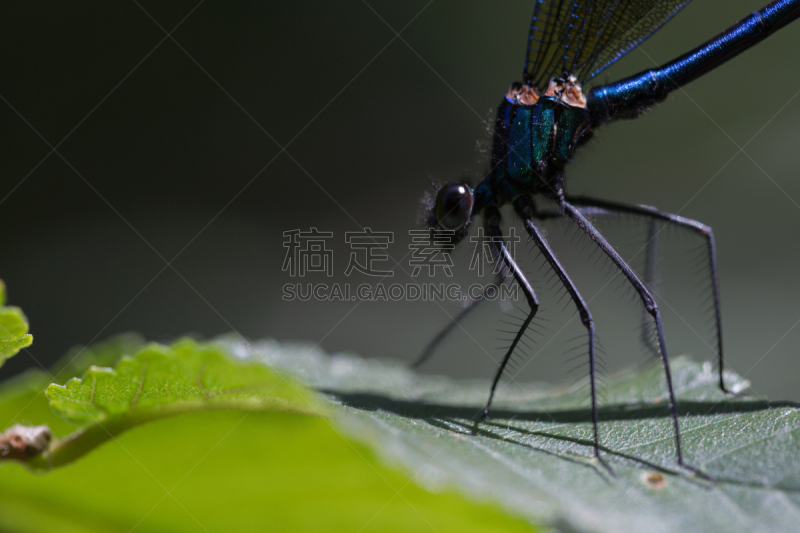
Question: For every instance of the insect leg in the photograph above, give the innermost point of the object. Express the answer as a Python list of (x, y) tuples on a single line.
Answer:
[(697, 227), (647, 299), (504, 257), (525, 211), (650, 280)]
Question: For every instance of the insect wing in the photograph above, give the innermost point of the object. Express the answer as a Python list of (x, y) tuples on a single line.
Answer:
[(584, 37)]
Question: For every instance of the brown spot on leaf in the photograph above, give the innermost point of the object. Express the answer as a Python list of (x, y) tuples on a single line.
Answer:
[(655, 480)]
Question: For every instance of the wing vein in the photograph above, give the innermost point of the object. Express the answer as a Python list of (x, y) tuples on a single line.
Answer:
[(584, 37)]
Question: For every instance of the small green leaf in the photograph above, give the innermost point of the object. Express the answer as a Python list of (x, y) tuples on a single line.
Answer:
[(160, 381), (22, 399), (13, 328)]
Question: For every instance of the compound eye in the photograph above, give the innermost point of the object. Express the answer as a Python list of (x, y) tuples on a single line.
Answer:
[(453, 206)]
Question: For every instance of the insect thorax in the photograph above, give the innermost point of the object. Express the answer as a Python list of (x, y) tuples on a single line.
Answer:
[(535, 135)]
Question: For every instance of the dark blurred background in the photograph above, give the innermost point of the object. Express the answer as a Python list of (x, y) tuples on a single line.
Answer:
[(169, 152)]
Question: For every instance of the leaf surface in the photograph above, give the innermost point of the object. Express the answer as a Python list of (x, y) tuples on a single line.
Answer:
[(534, 455)]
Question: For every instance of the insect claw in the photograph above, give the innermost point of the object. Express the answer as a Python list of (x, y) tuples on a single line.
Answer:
[(604, 464)]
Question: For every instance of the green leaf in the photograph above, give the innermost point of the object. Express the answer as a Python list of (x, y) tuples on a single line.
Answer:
[(535, 455), (22, 399), (533, 458), (160, 381), (244, 455), (13, 328)]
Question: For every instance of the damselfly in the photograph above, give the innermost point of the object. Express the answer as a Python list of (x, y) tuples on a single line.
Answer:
[(543, 119)]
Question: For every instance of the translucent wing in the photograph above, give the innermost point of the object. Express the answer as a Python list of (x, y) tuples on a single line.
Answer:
[(583, 37)]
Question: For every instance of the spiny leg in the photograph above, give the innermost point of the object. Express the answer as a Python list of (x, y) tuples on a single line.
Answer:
[(693, 225), (650, 280), (651, 261), (647, 299), (505, 258), (431, 347), (524, 209)]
